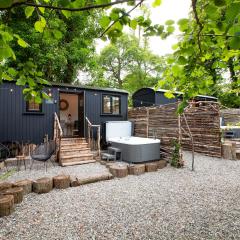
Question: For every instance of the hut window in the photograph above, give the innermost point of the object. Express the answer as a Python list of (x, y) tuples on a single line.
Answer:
[(33, 106), (111, 104)]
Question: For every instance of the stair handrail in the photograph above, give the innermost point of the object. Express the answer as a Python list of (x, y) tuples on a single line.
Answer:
[(90, 127), (58, 133)]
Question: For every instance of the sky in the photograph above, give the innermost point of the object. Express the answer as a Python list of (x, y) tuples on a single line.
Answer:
[(169, 9)]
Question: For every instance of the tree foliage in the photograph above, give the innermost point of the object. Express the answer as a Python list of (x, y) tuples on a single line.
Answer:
[(127, 64), (112, 23), (208, 52)]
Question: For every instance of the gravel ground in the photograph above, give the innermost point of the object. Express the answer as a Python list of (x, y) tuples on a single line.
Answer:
[(38, 171), (168, 204)]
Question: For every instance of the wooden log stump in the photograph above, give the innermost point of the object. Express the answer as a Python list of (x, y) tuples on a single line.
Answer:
[(43, 185), (5, 185), (227, 150), (61, 181), (94, 179), (26, 184), (234, 153), (161, 164), (136, 169), (74, 181), (17, 193), (119, 170), (151, 167), (6, 205)]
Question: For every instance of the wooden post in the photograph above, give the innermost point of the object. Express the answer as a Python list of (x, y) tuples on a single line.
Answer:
[(98, 137), (147, 122)]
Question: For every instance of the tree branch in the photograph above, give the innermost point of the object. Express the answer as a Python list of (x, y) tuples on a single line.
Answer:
[(28, 3), (127, 13), (194, 7)]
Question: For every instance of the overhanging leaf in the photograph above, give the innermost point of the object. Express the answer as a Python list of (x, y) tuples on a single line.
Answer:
[(156, 3), (29, 11)]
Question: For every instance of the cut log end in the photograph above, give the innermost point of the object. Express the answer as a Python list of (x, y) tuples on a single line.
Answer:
[(26, 185), (43, 185), (61, 181), (118, 170), (17, 193), (151, 167), (136, 169), (6, 205), (5, 185)]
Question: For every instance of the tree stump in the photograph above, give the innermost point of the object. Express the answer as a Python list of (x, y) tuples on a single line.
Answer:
[(26, 185), (161, 164), (61, 181), (6, 205), (234, 148), (5, 185), (74, 181), (151, 167), (119, 170), (136, 169), (227, 150), (17, 193), (43, 185)]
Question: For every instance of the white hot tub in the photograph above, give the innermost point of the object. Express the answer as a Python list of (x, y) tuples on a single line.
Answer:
[(134, 149)]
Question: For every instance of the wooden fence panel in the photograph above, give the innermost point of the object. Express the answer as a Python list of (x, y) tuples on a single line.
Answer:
[(203, 120)]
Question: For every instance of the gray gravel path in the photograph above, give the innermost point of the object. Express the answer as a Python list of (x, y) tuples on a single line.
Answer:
[(168, 204), (38, 171)]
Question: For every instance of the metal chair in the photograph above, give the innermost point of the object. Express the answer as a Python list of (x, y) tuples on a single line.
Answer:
[(43, 153), (4, 154)]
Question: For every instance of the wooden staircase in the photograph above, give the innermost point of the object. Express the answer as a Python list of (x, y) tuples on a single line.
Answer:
[(75, 151)]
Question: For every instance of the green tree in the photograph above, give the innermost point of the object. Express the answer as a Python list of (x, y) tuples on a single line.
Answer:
[(29, 73), (126, 64), (208, 52), (59, 53)]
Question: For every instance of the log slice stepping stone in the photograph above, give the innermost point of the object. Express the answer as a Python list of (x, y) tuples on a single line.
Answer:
[(26, 184), (136, 169), (151, 167), (6, 205), (17, 193), (43, 185), (119, 170), (61, 181)]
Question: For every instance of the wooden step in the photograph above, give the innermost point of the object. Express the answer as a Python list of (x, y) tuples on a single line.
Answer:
[(73, 139), (77, 157), (66, 152), (65, 164), (72, 145)]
